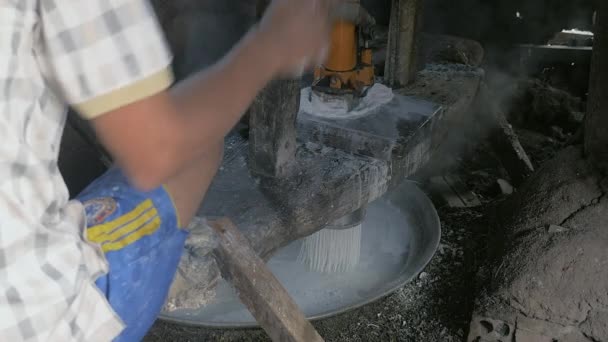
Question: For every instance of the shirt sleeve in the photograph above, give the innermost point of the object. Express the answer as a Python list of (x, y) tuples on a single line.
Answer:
[(103, 54)]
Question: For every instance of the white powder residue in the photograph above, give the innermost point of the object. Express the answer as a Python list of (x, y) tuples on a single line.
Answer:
[(194, 283), (336, 107), (576, 31)]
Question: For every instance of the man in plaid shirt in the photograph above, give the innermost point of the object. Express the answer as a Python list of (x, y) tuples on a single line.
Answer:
[(99, 267)]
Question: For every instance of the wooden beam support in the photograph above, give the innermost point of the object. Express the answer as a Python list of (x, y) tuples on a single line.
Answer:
[(272, 132), (402, 57), (596, 122), (259, 289)]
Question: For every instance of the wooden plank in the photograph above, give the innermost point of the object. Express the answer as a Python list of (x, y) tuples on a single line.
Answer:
[(452, 190), (259, 289), (441, 191), (512, 154), (402, 59), (272, 132), (504, 139)]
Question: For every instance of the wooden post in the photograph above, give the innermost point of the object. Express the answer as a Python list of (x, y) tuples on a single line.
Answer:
[(596, 122), (272, 124), (402, 59), (258, 289), (272, 129)]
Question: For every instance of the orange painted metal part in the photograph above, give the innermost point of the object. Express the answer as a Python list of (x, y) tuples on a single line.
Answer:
[(346, 67), (343, 49)]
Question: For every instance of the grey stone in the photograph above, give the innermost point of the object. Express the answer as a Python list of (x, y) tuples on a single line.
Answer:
[(505, 187)]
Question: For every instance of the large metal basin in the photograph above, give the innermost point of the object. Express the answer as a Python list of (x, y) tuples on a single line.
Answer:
[(401, 233)]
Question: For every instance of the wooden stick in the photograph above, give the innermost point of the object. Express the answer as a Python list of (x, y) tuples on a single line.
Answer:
[(259, 289)]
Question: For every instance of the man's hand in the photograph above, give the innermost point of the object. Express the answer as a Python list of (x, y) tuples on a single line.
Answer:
[(298, 31)]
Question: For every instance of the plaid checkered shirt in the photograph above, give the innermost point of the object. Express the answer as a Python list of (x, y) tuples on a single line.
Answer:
[(95, 56)]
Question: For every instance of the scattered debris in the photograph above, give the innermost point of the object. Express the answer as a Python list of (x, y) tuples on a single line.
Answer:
[(539, 106), (451, 190), (505, 187), (443, 48), (514, 158), (553, 229), (540, 148), (502, 137), (558, 133)]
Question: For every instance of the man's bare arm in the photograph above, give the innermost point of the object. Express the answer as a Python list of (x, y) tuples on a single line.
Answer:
[(157, 137)]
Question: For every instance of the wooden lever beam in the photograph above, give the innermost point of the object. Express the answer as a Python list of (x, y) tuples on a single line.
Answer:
[(258, 288)]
